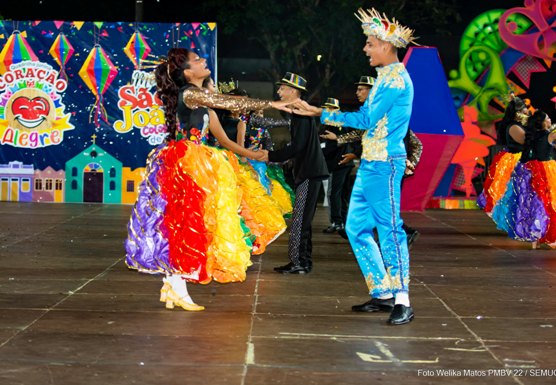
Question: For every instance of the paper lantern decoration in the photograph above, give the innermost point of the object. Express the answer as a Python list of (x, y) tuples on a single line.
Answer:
[(16, 50), (137, 49), (98, 72), (61, 50)]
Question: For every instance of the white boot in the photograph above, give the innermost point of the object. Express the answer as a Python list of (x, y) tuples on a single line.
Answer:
[(179, 295), (179, 285)]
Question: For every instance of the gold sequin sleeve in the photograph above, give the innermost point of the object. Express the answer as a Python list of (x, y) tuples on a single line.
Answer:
[(414, 148), (350, 137), (194, 97)]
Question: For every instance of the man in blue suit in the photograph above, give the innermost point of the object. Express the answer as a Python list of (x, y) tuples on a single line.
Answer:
[(375, 198)]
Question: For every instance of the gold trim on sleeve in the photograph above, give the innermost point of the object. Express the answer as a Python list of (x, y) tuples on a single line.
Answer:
[(194, 97)]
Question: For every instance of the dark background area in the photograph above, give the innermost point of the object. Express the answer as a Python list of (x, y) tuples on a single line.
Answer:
[(237, 46), (183, 11), (231, 45)]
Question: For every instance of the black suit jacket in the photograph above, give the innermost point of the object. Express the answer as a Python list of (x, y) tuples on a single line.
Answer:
[(333, 151), (304, 149)]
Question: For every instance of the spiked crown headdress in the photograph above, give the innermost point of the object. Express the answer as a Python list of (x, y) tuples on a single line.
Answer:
[(382, 28)]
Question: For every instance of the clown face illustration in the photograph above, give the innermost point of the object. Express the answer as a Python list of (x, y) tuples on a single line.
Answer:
[(30, 109)]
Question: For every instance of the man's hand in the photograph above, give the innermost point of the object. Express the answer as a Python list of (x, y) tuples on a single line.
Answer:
[(301, 107), (329, 135), (284, 105), (409, 167), (259, 155), (346, 158)]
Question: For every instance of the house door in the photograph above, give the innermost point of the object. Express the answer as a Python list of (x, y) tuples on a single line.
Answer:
[(14, 190), (4, 189), (93, 186)]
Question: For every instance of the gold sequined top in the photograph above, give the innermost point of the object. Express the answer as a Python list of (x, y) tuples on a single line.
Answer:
[(194, 97), (350, 137)]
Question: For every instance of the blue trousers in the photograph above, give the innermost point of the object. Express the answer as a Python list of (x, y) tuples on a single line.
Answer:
[(375, 203)]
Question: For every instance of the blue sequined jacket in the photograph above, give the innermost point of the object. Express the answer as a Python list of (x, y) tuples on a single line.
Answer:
[(384, 115)]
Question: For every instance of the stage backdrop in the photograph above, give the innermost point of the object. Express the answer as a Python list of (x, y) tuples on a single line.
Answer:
[(78, 112)]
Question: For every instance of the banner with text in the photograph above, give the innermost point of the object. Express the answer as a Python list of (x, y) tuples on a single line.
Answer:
[(78, 110)]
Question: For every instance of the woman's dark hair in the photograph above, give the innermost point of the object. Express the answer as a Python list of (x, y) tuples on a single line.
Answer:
[(169, 79), (533, 129), (515, 105)]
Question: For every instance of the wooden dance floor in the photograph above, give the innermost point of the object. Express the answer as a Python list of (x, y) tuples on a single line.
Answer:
[(72, 313)]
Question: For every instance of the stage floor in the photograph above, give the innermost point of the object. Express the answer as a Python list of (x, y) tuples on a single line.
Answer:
[(72, 313)]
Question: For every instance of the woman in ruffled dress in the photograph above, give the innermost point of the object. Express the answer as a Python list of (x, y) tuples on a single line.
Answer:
[(510, 134), (527, 211), (185, 223), (270, 175), (251, 130), (259, 209)]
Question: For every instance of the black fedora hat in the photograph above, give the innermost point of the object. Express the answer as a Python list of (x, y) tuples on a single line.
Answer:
[(366, 81), (331, 103), (294, 80)]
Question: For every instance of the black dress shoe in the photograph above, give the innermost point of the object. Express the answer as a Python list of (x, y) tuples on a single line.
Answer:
[(401, 315), (342, 233), (375, 304), (333, 228), (412, 237), (291, 268)]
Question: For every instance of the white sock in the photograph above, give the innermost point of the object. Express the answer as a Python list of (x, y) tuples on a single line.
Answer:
[(178, 285), (402, 299), (385, 296)]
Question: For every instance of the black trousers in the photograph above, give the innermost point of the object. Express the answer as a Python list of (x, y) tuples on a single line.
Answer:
[(338, 197), (300, 245)]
